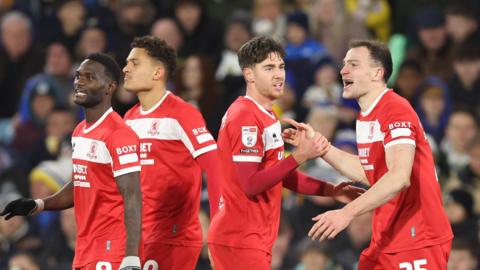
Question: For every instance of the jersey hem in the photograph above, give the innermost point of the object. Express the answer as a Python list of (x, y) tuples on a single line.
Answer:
[(419, 246), (234, 245)]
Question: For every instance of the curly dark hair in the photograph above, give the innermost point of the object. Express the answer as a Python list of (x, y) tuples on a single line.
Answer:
[(159, 50), (257, 49)]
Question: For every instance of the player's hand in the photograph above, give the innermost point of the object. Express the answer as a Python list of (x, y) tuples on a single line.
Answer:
[(329, 224), (19, 207), (310, 148), (344, 192), (130, 263), (291, 136)]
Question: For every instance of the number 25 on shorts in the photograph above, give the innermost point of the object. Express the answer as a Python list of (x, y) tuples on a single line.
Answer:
[(416, 265)]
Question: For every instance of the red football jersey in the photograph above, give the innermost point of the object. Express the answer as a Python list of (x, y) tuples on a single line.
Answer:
[(249, 133), (172, 134), (102, 151), (415, 218)]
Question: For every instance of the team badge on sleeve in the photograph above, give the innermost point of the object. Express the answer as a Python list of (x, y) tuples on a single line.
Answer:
[(249, 135)]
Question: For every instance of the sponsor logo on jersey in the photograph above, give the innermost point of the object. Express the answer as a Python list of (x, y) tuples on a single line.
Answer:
[(249, 135), (249, 151)]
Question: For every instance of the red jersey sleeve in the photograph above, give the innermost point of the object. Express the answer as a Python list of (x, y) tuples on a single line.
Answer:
[(245, 136), (194, 133), (123, 146), (400, 126)]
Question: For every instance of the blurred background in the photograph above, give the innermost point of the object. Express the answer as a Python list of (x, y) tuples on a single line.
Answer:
[(436, 55)]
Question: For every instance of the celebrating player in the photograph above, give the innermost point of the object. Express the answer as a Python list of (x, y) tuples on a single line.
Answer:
[(105, 188), (410, 228), (174, 147), (251, 148)]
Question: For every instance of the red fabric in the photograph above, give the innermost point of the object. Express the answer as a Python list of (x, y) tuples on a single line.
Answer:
[(103, 265), (169, 257), (433, 257), (304, 184), (230, 258), (415, 218), (106, 150), (254, 181), (172, 136), (210, 164)]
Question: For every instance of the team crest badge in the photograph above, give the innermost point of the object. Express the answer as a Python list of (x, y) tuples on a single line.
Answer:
[(92, 152), (249, 135), (154, 128)]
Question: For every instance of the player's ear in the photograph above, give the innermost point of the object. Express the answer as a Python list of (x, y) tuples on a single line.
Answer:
[(248, 74), (112, 86), (159, 73), (379, 74)]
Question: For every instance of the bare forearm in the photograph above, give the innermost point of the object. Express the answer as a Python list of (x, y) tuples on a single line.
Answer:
[(389, 186), (62, 199), (347, 164), (133, 224)]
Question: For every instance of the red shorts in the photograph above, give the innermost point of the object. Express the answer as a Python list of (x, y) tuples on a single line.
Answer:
[(428, 258), (230, 258), (100, 265), (162, 256)]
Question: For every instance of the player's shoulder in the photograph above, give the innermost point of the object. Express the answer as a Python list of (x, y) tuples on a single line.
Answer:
[(240, 110), (393, 103), (77, 130), (118, 126), (132, 111)]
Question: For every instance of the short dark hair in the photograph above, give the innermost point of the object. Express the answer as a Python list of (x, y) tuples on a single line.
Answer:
[(159, 50), (112, 69), (461, 9), (379, 53), (466, 52), (257, 49)]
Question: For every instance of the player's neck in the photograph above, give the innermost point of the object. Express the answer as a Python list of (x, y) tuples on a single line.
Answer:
[(148, 99), (366, 101), (94, 113), (264, 101)]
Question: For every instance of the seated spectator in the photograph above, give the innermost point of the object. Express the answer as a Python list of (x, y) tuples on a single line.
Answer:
[(23, 261), (58, 76), (60, 124), (434, 49), (93, 39), (463, 255), (59, 248), (465, 84), (460, 132), (314, 255), (461, 22), (375, 14), (469, 176), (168, 30), (42, 101), (409, 79), (434, 107), (459, 205), (326, 88), (229, 73), (16, 234), (303, 54), (269, 19)]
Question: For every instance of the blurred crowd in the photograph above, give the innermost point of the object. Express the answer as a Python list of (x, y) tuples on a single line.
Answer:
[(435, 47)]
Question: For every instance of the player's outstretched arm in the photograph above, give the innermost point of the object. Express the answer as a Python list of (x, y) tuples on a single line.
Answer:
[(61, 200), (129, 186), (330, 223), (301, 183), (347, 164)]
